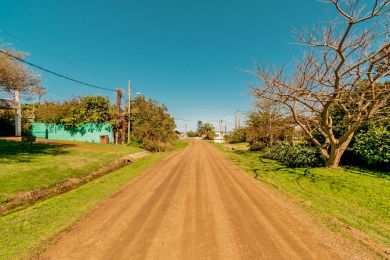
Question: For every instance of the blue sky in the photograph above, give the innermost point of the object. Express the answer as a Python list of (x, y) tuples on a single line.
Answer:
[(188, 55)]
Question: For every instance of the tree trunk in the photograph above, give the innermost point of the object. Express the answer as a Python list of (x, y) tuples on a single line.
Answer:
[(337, 150), (334, 157)]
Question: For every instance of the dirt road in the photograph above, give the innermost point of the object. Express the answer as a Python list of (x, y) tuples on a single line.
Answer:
[(193, 205)]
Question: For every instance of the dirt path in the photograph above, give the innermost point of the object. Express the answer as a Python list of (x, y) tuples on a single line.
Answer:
[(193, 205)]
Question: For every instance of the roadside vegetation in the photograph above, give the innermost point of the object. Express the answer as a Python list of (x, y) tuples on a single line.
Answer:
[(339, 86), (152, 127), (24, 233), (320, 132), (351, 201)]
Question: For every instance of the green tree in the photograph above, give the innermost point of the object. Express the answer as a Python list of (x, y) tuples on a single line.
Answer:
[(237, 136), (151, 124), (192, 134), (76, 111), (199, 126), (208, 131)]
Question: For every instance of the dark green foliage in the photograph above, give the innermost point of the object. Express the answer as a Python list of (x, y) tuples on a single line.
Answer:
[(208, 131), (151, 125), (373, 144), (237, 136), (192, 134), (7, 122), (257, 145), (294, 155), (199, 126), (75, 112)]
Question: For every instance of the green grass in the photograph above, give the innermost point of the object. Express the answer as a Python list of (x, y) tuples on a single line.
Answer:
[(357, 198), (24, 168), (180, 144), (24, 232)]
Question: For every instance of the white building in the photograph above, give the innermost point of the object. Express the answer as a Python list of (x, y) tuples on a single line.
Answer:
[(219, 137)]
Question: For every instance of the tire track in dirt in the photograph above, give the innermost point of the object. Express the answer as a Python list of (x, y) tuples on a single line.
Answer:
[(193, 205)]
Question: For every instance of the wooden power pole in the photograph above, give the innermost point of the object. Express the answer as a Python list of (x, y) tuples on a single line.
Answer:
[(129, 109), (18, 115), (119, 119)]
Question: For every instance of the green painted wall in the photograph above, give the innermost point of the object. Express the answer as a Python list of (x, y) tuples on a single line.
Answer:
[(86, 133)]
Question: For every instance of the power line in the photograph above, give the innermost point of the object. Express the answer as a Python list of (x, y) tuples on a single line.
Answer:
[(181, 119), (54, 55), (55, 73)]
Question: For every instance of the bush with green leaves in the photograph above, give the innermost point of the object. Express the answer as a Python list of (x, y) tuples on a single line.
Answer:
[(373, 144), (237, 136), (295, 155), (192, 134), (257, 145), (75, 112), (151, 125)]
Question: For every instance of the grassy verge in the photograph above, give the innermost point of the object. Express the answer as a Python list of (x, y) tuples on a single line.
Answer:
[(24, 168), (180, 144), (352, 200), (23, 232)]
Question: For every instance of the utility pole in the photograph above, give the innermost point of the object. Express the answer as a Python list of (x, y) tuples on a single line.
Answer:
[(185, 130), (18, 115), (119, 118), (238, 119), (129, 109)]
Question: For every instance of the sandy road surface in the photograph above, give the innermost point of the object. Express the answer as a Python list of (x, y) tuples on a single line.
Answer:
[(193, 205)]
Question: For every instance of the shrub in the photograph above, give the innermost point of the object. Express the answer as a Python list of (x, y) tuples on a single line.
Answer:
[(295, 155), (237, 136), (192, 134), (373, 145), (156, 146), (257, 146), (151, 125)]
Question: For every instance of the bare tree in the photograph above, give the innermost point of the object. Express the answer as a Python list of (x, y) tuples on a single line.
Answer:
[(346, 67), (267, 124), (14, 75), (39, 91)]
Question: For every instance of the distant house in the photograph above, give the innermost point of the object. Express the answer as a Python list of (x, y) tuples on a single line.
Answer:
[(219, 137), (181, 135)]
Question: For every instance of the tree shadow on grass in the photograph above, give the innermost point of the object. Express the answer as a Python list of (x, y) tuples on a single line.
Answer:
[(385, 174), (15, 151)]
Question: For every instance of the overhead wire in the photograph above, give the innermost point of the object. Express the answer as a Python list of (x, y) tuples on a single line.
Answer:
[(54, 55), (55, 73)]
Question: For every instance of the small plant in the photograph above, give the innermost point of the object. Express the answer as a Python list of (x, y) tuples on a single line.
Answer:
[(295, 155)]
